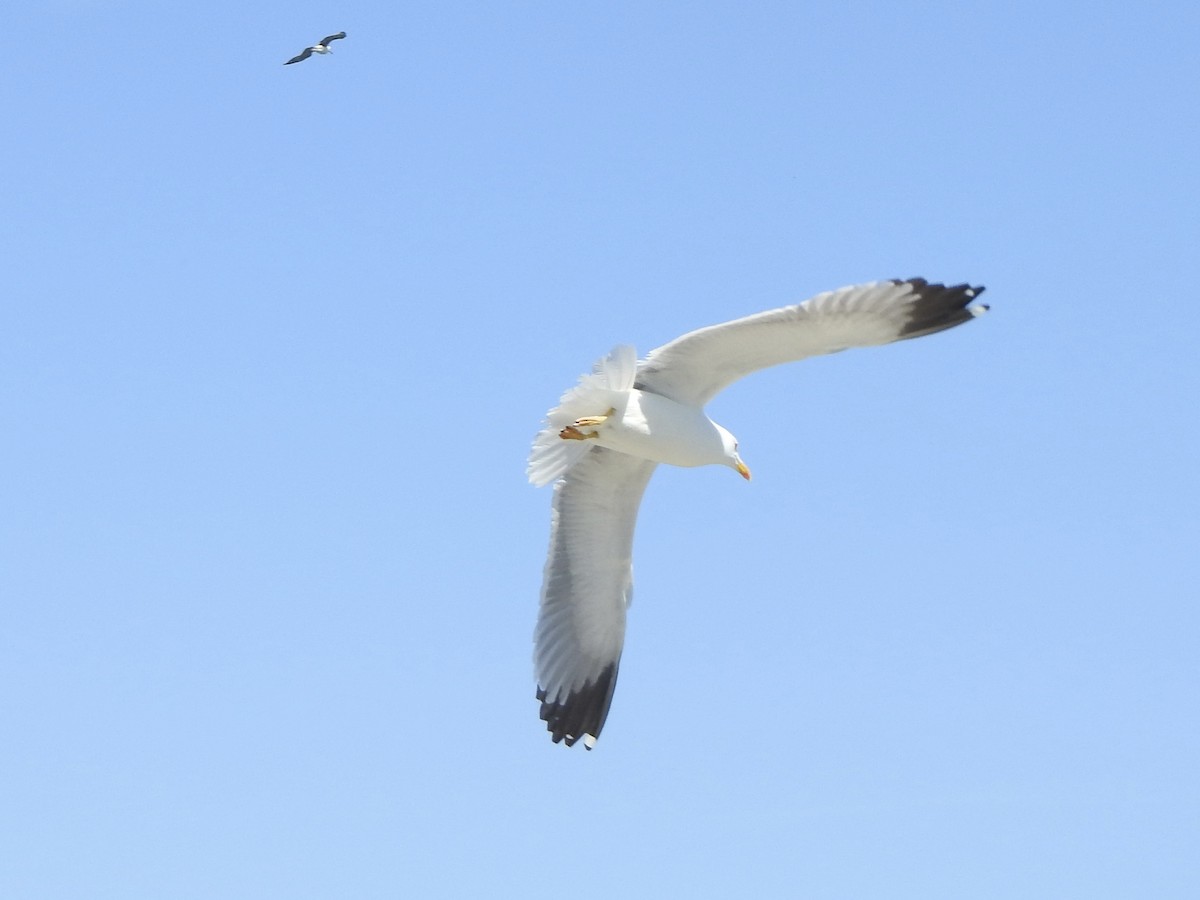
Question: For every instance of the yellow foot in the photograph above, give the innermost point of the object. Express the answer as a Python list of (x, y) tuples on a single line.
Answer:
[(573, 431), (592, 421)]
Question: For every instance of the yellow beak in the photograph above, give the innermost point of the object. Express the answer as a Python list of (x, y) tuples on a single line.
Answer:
[(742, 470)]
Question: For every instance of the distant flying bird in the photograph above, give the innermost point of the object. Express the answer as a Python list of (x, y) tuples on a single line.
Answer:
[(604, 439), (322, 46)]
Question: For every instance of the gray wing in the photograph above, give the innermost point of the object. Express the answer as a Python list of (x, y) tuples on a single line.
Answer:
[(303, 56), (333, 37), (587, 585), (693, 368)]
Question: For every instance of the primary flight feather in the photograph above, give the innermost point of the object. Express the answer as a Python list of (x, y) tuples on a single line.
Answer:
[(602, 442)]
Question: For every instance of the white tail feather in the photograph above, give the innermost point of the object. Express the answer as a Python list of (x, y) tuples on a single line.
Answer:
[(605, 388)]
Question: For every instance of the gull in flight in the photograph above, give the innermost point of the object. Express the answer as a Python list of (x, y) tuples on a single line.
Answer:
[(601, 443), (322, 46)]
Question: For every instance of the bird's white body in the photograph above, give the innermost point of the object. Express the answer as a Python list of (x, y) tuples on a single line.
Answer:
[(657, 428), (638, 423)]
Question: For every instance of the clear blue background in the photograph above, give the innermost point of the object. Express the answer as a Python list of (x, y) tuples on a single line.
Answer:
[(275, 342)]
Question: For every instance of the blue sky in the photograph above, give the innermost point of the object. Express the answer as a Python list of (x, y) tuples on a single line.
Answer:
[(275, 343)]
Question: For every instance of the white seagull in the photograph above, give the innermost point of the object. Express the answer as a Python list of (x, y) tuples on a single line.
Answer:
[(322, 46), (602, 442)]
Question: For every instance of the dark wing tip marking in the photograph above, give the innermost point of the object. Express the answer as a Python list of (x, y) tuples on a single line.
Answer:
[(936, 307), (583, 712), (303, 56), (333, 37)]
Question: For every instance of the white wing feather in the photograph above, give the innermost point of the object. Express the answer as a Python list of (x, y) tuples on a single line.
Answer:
[(588, 581), (693, 368)]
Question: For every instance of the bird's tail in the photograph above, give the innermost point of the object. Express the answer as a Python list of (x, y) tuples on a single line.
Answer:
[(604, 389)]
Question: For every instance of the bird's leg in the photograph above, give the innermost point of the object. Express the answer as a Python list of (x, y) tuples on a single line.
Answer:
[(593, 421), (573, 431)]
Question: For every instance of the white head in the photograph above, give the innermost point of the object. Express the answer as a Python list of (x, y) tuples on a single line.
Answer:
[(731, 458)]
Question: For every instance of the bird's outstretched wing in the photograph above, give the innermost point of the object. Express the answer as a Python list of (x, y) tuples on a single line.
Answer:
[(303, 56), (691, 369), (587, 585), (333, 37)]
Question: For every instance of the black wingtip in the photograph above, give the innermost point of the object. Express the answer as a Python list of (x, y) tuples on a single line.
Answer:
[(936, 307), (582, 713)]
